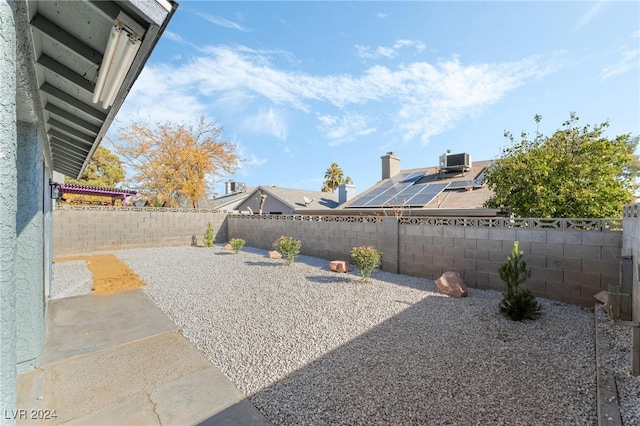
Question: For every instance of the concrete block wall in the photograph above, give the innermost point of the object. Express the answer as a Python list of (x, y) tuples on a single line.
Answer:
[(78, 230), (570, 260), (327, 237), (566, 265), (631, 247)]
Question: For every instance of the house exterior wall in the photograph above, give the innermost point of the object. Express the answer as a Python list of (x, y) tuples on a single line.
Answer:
[(48, 233), (8, 208), (30, 307), (78, 230), (270, 205)]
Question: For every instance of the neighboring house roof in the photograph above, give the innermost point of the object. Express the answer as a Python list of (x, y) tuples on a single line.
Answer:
[(295, 198), (227, 202), (427, 188)]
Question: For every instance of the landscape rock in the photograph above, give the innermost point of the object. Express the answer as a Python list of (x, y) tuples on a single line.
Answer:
[(274, 255), (339, 266), (227, 247), (602, 297), (451, 284)]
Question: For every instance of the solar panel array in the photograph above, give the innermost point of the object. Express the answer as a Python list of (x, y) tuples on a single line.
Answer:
[(402, 190), (380, 196), (426, 194), (461, 184)]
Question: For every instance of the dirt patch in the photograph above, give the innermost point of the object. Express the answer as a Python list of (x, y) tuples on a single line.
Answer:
[(110, 275)]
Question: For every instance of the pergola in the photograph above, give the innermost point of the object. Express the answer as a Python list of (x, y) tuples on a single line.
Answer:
[(113, 193)]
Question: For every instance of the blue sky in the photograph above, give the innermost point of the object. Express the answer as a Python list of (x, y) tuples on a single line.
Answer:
[(299, 85)]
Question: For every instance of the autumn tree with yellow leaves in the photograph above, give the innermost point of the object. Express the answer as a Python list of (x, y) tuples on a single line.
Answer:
[(171, 162)]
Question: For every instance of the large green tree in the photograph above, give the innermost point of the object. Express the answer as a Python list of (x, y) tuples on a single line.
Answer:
[(576, 172), (104, 170), (333, 178)]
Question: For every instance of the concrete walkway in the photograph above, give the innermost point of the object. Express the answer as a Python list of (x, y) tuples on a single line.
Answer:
[(119, 360)]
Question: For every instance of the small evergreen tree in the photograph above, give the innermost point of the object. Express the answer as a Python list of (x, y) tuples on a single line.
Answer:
[(208, 236), (517, 303)]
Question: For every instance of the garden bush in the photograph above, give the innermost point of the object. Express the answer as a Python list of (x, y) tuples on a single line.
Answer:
[(288, 247), (366, 260), (237, 244)]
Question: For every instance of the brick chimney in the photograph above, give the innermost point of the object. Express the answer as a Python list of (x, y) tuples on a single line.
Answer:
[(390, 165), (346, 191)]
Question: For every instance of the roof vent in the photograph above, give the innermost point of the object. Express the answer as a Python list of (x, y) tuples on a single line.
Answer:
[(455, 162)]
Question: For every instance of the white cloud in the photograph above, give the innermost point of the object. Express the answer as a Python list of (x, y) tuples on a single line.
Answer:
[(155, 97), (630, 59), (423, 99), (591, 13), (344, 129), (389, 52), (248, 164), (222, 22), (173, 36), (267, 121), (381, 15)]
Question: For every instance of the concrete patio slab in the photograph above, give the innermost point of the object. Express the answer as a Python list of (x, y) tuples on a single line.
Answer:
[(192, 399), (114, 360), (30, 389), (134, 411), (111, 375), (85, 324)]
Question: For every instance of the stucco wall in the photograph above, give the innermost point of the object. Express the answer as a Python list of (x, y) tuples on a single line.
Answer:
[(8, 206), (78, 230), (29, 260)]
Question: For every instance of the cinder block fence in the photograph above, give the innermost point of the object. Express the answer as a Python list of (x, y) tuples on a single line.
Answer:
[(84, 229), (570, 259)]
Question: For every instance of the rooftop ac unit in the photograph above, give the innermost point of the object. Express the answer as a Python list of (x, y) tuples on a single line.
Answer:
[(455, 162), (236, 186)]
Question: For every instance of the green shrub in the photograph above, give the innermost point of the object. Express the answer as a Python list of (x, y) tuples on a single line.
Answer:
[(208, 236), (366, 260), (517, 303), (237, 244), (288, 247)]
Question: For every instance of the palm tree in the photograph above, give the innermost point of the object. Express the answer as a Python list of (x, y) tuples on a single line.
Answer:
[(333, 177)]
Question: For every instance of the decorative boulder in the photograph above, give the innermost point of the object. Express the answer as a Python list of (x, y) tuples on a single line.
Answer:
[(227, 247), (451, 284), (339, 266), (602, 297), (274, 255)]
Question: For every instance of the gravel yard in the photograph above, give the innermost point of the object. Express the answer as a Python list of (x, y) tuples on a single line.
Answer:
[(309, 346)]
